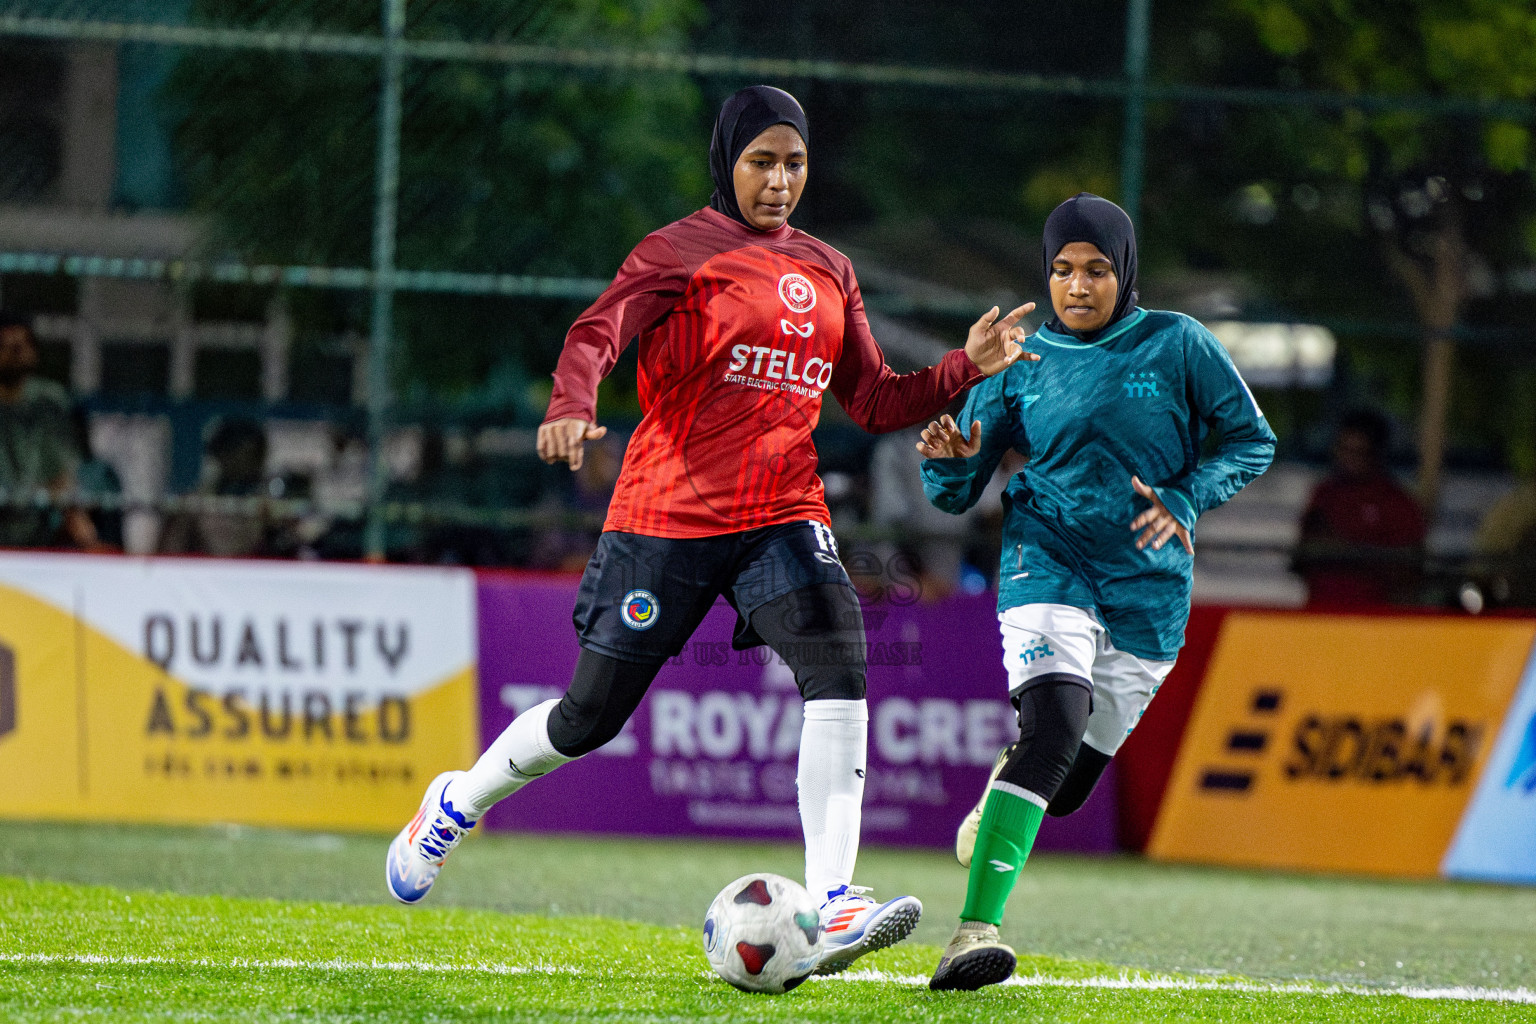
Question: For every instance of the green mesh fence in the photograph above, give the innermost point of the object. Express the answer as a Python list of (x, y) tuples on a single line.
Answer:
[(421, 210)]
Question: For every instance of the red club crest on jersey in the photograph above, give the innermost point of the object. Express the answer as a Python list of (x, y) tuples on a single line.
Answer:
[(797, 292)]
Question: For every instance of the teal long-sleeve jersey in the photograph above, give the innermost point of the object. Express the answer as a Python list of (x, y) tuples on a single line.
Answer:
[(1137, 401)]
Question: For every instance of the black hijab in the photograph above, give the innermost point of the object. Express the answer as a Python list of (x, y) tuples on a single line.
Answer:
[(1088, 218), (745, 116)]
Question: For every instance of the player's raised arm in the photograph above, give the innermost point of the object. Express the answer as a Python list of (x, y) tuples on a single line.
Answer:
[(959, 464), (942, 439), (1224, 403), (563, 440), (994, 345), (879, 399), (643, 292), (1156, 526)]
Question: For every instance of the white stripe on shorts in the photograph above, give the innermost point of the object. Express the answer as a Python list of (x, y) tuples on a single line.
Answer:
[(824, 538)]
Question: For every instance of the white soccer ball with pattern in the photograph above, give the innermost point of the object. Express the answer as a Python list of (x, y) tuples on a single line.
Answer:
[(763, 933)]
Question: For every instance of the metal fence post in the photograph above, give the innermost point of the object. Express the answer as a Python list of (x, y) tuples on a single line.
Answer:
[(381, 334), (1133, 145)]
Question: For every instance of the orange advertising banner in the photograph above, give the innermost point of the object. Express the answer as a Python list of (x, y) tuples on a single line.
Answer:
[(1339, 742)]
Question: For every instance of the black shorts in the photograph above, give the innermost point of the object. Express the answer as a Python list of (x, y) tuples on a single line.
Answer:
[(642, 597)]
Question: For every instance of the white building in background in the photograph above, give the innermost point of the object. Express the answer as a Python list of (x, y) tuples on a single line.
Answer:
[(1274, 355), (84, 167), (62, 125)]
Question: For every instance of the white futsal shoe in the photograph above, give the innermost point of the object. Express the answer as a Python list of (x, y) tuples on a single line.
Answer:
[(418, 852), (974, 957), (965, 837), (854, 924)]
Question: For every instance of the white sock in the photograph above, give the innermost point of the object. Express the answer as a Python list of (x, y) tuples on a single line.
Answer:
[(522, 753), (830, 780)]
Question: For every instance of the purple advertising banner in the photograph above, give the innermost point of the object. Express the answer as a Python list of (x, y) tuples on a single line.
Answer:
[(713, 747)]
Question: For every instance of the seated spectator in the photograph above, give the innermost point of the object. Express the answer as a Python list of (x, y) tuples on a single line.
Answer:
[(37, 448), (566, 548), (933, 548), (1362, 533), (234, 466), (97, 480), (1506, 546)]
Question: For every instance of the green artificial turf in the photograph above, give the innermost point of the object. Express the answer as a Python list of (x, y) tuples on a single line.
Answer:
[(140, 923), (1123, 910), (69, 951)]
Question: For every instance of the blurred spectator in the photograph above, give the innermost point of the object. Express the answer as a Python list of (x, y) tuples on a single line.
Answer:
[(234, 466), (96, 479), (37, 447), (1506, 545), (337, 487), (445, 472), (936, 543), (1362, 533), (567, 548)]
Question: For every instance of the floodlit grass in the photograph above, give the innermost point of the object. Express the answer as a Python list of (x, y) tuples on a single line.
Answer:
[(510, 935), (78, 951)]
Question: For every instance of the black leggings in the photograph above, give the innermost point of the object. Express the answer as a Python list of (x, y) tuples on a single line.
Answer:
[(1078, 785), (818, 630), (1053, 713)]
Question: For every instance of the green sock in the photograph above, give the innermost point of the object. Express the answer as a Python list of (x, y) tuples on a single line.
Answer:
[(1009, 823)]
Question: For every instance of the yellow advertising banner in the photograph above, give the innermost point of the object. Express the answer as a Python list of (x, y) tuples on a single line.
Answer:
[(1339, 742), (261, 693)]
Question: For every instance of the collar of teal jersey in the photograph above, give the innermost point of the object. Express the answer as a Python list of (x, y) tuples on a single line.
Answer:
[(1050, 337)]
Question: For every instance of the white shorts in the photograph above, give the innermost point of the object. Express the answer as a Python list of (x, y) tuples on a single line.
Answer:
[(1043, 639)]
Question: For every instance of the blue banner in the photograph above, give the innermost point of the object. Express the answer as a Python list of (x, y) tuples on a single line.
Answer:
[(1496, 841)]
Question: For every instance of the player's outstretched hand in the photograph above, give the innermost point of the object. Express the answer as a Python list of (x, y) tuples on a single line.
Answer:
[(942, 440), (993, 344), (562, 440), (1157, 523)]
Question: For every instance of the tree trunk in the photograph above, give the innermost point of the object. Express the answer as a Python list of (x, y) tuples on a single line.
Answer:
[(1439, 368), (1438, 285)]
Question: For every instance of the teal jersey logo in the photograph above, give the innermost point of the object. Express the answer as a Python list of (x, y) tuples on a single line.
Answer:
[(1141, 385), (1040, 650)]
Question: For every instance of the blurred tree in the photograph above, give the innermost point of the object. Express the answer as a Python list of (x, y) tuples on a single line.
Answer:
[(503, 169), (897, 153), (1448, 201)]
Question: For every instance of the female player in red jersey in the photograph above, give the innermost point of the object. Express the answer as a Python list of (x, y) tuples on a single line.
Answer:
[(743, 323)]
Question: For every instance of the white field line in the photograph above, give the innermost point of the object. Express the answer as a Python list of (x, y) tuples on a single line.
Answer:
[(1162, 982), (282, 963), (1122, 982)]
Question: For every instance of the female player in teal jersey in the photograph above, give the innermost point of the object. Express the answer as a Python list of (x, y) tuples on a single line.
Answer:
[(1098, 537)]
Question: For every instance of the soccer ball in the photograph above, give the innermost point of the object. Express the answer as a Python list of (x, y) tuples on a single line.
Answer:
[(763, 933)]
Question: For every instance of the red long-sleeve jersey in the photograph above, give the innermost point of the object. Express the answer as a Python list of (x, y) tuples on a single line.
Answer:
[(740, 333)]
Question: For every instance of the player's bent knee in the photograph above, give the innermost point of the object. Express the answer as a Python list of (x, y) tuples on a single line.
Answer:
[(1063, 803), (828, 669), (819, 632), (847, 685), (1052, 717), (604, 692), (1078, 786), (575, 730)]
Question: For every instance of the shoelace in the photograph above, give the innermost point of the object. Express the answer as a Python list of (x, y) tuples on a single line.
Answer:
[(440, 837), (858, 892)]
